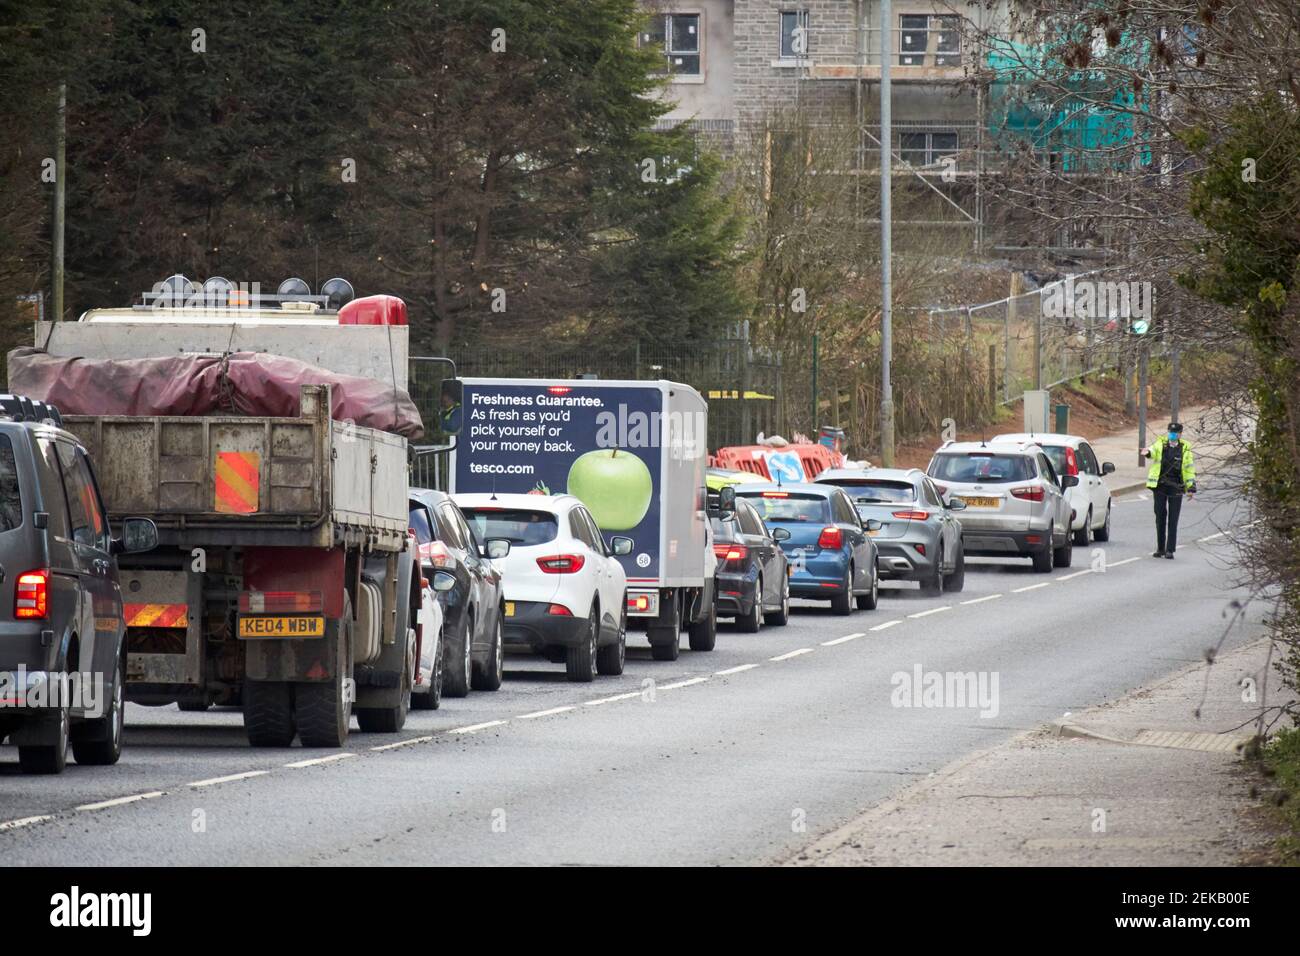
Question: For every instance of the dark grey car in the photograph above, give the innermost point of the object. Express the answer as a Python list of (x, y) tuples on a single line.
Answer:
[(919, 538), (62, 647)]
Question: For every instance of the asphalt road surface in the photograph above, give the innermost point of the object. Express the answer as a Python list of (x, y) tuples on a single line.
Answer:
[(742, 755)]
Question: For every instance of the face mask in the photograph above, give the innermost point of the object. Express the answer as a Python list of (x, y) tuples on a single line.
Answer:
[(1173, 436)]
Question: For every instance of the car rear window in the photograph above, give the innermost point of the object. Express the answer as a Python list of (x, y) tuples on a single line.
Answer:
[(785, 506), (518, 526), (11, 503), (981, 468), (877, 491)]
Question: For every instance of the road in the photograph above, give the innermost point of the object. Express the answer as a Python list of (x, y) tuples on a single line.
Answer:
[(738, 756)]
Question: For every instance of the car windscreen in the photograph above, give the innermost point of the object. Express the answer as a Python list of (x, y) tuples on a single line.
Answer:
[(877, 491), (981, 468), (787, 506), (517, 525), (11, 505)]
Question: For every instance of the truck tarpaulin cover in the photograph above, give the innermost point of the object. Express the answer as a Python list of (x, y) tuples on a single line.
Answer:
[(241, 383)]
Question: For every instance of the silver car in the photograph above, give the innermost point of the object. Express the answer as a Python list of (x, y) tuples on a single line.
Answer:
[(920, 536), (1016, 504)]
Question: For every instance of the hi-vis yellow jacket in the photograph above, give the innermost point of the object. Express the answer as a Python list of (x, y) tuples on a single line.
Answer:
[(1157, 452)]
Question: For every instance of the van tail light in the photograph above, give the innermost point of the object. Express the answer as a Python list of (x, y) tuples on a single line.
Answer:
[(912, 515), (1030, 493), (731, 552), (1071, 463), (831, 538), (31, 594), (561, 563)]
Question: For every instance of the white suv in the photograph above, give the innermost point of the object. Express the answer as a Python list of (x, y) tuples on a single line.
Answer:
[(1016, 504), (1090, 498), (565, 590)]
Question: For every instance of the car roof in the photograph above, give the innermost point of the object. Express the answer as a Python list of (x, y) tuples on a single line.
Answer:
[(992, 447), (1040, 438), (890, 474), (801, 487), (521, 500)]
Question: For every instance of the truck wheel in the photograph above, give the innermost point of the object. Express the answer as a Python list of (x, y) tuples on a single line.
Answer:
[(782, 617), (268, 713), (751, 622), (490, 676), (611, 657), (431, 699), (843, 603), (389, 720), (580, 662), (459, 656), (99, 742), (665, 643), (704, 634), (955, 581), (47, 758), (323, 711)]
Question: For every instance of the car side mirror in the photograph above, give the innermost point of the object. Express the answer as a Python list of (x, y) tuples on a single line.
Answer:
[(781, 534), (443, 580), (496, 548), (138, 534), (955, 504), (726, 500), (1107, 467), (873, 524), (621, 545), (1069, 481)]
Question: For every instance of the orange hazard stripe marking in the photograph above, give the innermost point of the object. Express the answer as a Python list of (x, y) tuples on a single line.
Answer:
[(155, 615), (237, 479)]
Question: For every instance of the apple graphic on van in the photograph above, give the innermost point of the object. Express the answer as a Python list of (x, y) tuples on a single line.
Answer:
[(615, 485)]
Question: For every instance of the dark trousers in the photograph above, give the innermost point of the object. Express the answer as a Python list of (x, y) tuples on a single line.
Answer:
[(1168, 506)]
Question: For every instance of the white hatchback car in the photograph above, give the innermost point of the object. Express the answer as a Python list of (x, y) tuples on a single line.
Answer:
[(1090, 498), (427, 692), (565, 590)]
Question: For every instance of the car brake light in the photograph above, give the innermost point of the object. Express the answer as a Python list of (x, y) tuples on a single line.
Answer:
[(1071, 463), (559, 610), (831, 538), (559, 389), (1031, 493), (561, 563), (920, 549), (776, 494), (912, 515), (731, 552), (436, 553), (30, 594)]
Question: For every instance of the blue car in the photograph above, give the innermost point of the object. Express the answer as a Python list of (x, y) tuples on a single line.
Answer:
[(832, 556)]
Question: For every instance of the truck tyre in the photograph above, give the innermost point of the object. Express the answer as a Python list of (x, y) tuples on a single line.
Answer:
[(704, 634), (389, 720), (48, 758), (781, 617), (751, 622), (268, 713), (611, 657), (580, 662), (456, 681), (843, 603), (955, 581), (665, 643), (432, 698), (98, 742), (323, 710), (489, 677)]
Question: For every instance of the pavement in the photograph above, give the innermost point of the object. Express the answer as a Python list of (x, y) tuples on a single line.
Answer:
[(743, 755)]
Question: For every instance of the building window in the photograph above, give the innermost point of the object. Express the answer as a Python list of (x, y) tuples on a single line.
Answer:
[(926, 148), (794, 34), (925, 40), (678, 36)]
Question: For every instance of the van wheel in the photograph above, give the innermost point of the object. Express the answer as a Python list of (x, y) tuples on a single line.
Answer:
[(580, 662), (99, 742), (955, 581), (323, 711), (751, 622), (843, 603), (1103, 533), (47, 758), (268, 713), (389, 720), (703, 635), (1083, 537), (611, 657)]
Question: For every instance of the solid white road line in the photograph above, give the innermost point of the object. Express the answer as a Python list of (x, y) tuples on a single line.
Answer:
[(610, 700), (317, 761), (987, 597), (1066, 577), (1030, 587), (735, 670), (1116, 564), (105, 804), (933, 610), (473, 727), (790, 654), (212, 781), (404, 743), (546, 713), (23, 822), (683, 683), (843, 640), (881, 627)]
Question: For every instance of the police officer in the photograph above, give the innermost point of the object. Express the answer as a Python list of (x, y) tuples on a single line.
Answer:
[(1172, 473)]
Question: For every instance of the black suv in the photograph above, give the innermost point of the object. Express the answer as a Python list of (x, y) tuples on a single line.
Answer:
[(62, 647)]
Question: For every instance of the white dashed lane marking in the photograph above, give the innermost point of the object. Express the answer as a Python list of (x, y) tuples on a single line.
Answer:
[(1030, 587), (317, 761), (473, 727), (843, 640), (213, 781), (546, 713), (402, 743), (933, 610), (119, 801), (1066, 577), (683, 683), (735, 670), (23, 822), (881, 627), (610, 700), (981, 600), (789, 654)]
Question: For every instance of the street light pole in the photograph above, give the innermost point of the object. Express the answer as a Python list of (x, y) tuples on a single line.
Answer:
[(886, 318), (60, 194)]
